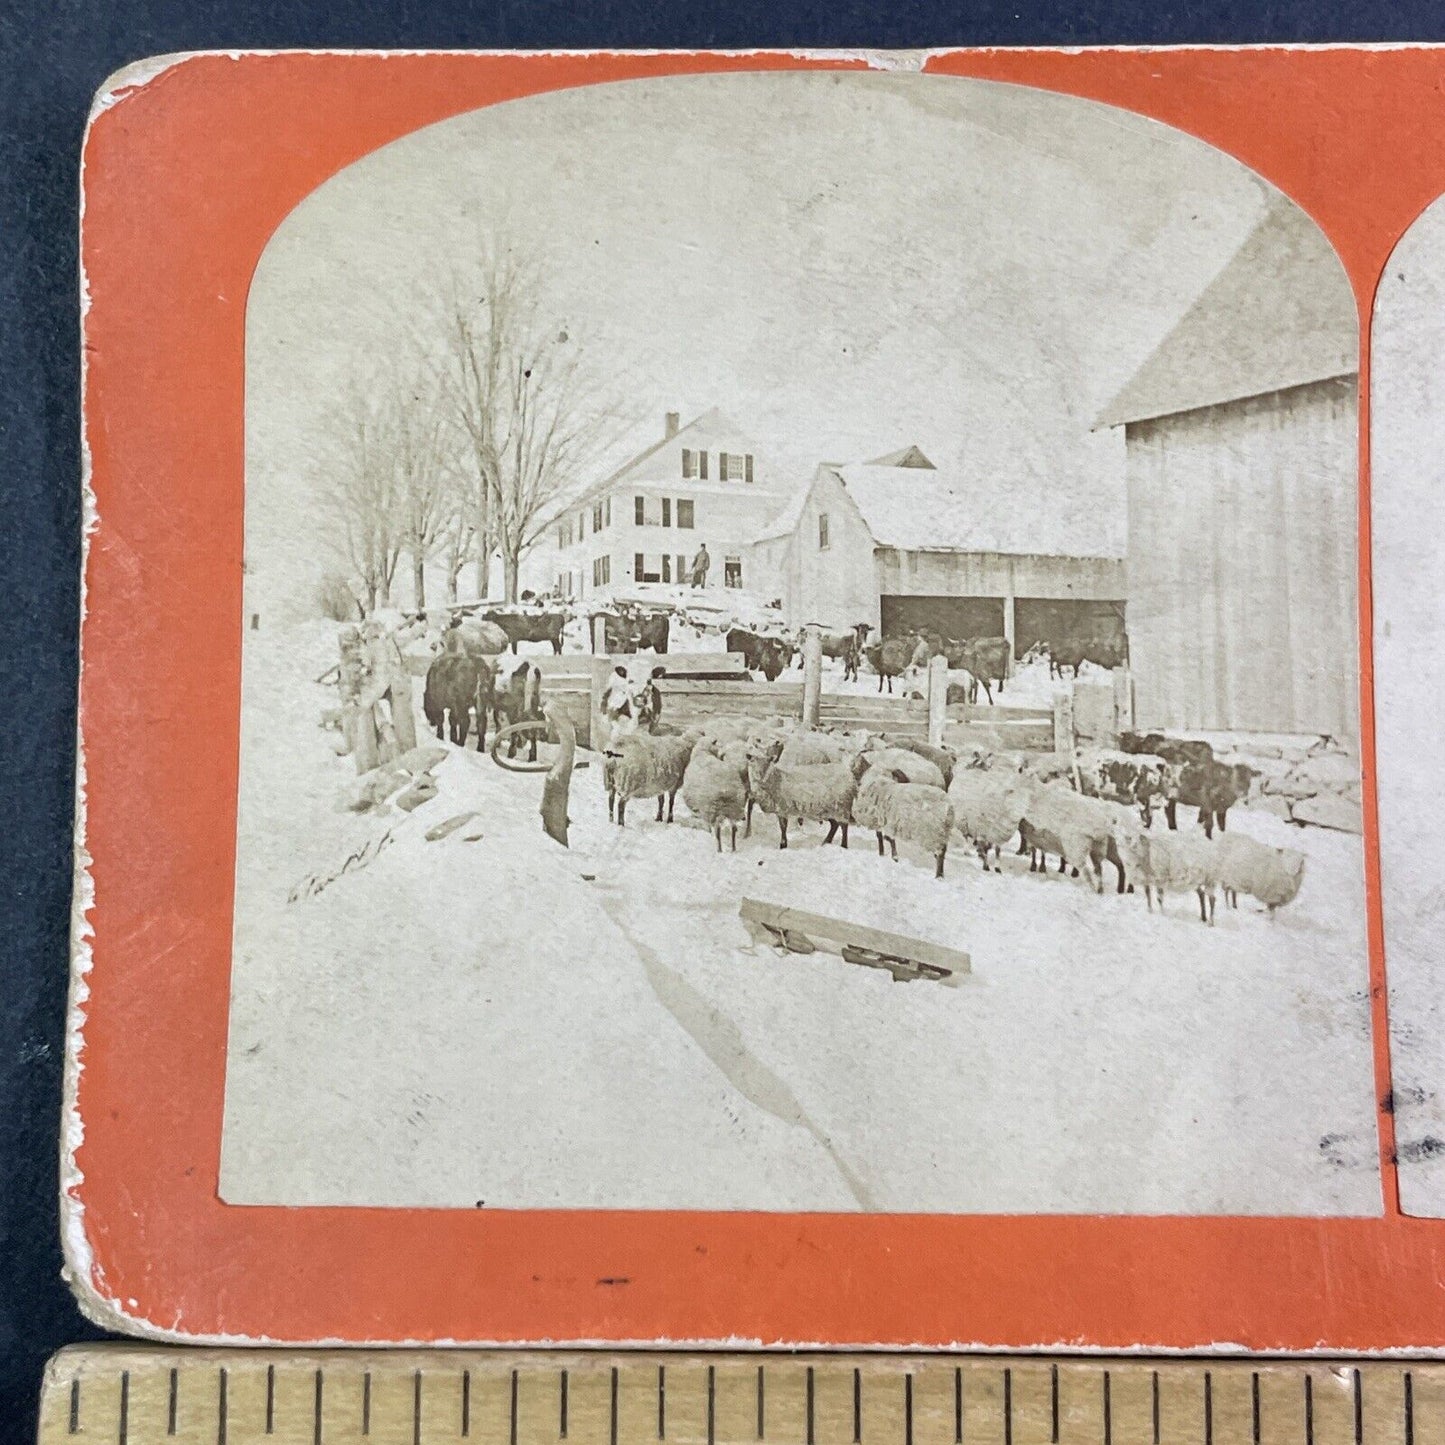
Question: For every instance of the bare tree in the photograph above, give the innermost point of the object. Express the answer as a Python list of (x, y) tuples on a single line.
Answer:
[(531, 413), (426, 480), (359, 494)]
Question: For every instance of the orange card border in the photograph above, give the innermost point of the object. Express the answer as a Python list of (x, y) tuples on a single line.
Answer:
[(187, 173)]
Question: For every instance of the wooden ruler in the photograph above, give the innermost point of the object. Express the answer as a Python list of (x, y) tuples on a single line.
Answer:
[(133, 1395)]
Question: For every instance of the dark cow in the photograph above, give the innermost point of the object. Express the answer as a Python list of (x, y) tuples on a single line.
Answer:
[(1074, 653), (1202, 780), (1137, 780), (987, 658), (529, 626), (760, 653), (890, 657), (848, 645), (451, 689), (632, 630), (652, 632), (518, 700)]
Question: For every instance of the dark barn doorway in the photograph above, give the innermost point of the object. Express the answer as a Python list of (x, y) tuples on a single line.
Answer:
[(959, 618), (1062, 621)]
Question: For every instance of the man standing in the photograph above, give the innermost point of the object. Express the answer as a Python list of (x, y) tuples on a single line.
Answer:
[(700, 564)]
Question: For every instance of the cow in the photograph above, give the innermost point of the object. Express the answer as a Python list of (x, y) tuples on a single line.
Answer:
[(529, 626), (451, 687), (652, 632), (519, 700), (1202, 781), (1136, 780), (760, 653), (890, 657), (848, 645), (1075, 652), (987, 658)]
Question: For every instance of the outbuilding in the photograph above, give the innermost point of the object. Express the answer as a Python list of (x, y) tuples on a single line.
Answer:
[(1243, 503), (903, 546)]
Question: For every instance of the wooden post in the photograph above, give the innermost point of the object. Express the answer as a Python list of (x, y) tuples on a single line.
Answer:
[(812, 676), (937, 698), (599, 634), (357, 720), (1123, 700), (601, 671), (1009, 630), (1064, 724), (559, 777), (399, 696)]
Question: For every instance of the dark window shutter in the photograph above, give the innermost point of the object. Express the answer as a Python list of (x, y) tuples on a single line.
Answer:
[(687, 461), (748, 466), (639, 511), (702, 465), (667, 511), (639, 566)]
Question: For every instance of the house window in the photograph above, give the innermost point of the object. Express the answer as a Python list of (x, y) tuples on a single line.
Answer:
[(681, 568), (598, 519), (639, 512), (689, 462), (822, 531), (667, 511), (564, 535), (564, 584), (748, 467), (666, 568), (684, 512), (601, 571), (607, 512), (639, 567), (733, 572)]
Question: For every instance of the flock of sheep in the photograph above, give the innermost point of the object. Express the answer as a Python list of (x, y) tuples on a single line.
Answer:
[(904, 789)]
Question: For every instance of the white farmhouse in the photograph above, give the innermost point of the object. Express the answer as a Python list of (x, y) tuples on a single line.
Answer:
[(703, 484)]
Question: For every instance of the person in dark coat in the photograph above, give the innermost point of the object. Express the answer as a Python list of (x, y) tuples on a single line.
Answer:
[(700, 564)]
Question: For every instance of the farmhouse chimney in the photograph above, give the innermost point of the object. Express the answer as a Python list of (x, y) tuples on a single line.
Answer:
[(670, 425)]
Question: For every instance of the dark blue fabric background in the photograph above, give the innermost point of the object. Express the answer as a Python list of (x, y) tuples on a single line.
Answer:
[(55, 55)]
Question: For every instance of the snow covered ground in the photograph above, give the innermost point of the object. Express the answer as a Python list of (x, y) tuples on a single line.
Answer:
[(507, 1022)]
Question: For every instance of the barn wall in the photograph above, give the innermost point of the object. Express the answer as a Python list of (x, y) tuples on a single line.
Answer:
[(837, 585), (1243, 608), (995, 574)]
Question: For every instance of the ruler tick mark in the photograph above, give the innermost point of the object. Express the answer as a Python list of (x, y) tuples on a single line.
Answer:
[(221, 1389), (1053, 1408), (467, 1402), (762, 1405), (712, 1406), (316, 1412), (512, 1410), (75, 1405), (172, 1401), (123, 1429), (662, 1402), (857, 1406), (366, 1403), (416, 1404), (908, 1410), (1359, 1410), (1208, 1408), (1108, 1409), (1409, 1409), (810, 1405), (958, 1407), (562, 1405), (270, 1400), (1008, 1406), (1154, 1390), (612, 1421), (1254, 1404), (1309, 1410)]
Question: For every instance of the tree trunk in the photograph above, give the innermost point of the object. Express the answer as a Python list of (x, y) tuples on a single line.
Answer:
[(418, 580), (511, 565), (484, 573)]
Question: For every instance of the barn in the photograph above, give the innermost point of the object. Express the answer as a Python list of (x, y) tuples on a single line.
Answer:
[(899, 544), (1241, 461)]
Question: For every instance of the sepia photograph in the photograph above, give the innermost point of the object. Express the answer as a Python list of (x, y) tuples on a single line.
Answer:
[(800, 652)]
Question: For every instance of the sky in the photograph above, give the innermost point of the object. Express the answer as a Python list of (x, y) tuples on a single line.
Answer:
[(844, 263)]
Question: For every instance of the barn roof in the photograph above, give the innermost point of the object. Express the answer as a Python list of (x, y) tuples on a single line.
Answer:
[(939, 511), (1279, 314)]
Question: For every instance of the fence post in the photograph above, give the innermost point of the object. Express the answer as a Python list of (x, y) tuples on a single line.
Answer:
[(601, 671), (1064, 723), (937, 698), (812, 676), (599, 634), (1123, 700)]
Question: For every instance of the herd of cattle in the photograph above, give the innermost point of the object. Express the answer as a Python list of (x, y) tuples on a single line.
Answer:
[(1116, 806)]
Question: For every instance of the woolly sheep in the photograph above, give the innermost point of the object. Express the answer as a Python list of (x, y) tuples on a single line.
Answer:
[(944, 759), (915, 769), (821, 791), (1169, 863), (714, 791), (647, 766), (735, 754), (802, 749), (1245, 865), (1080, 830), (895, 808), (987, 809)]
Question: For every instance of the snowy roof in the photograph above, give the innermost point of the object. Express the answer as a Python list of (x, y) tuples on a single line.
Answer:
[(910, 456), (786, 521), (1279, 314), (937, 511)]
